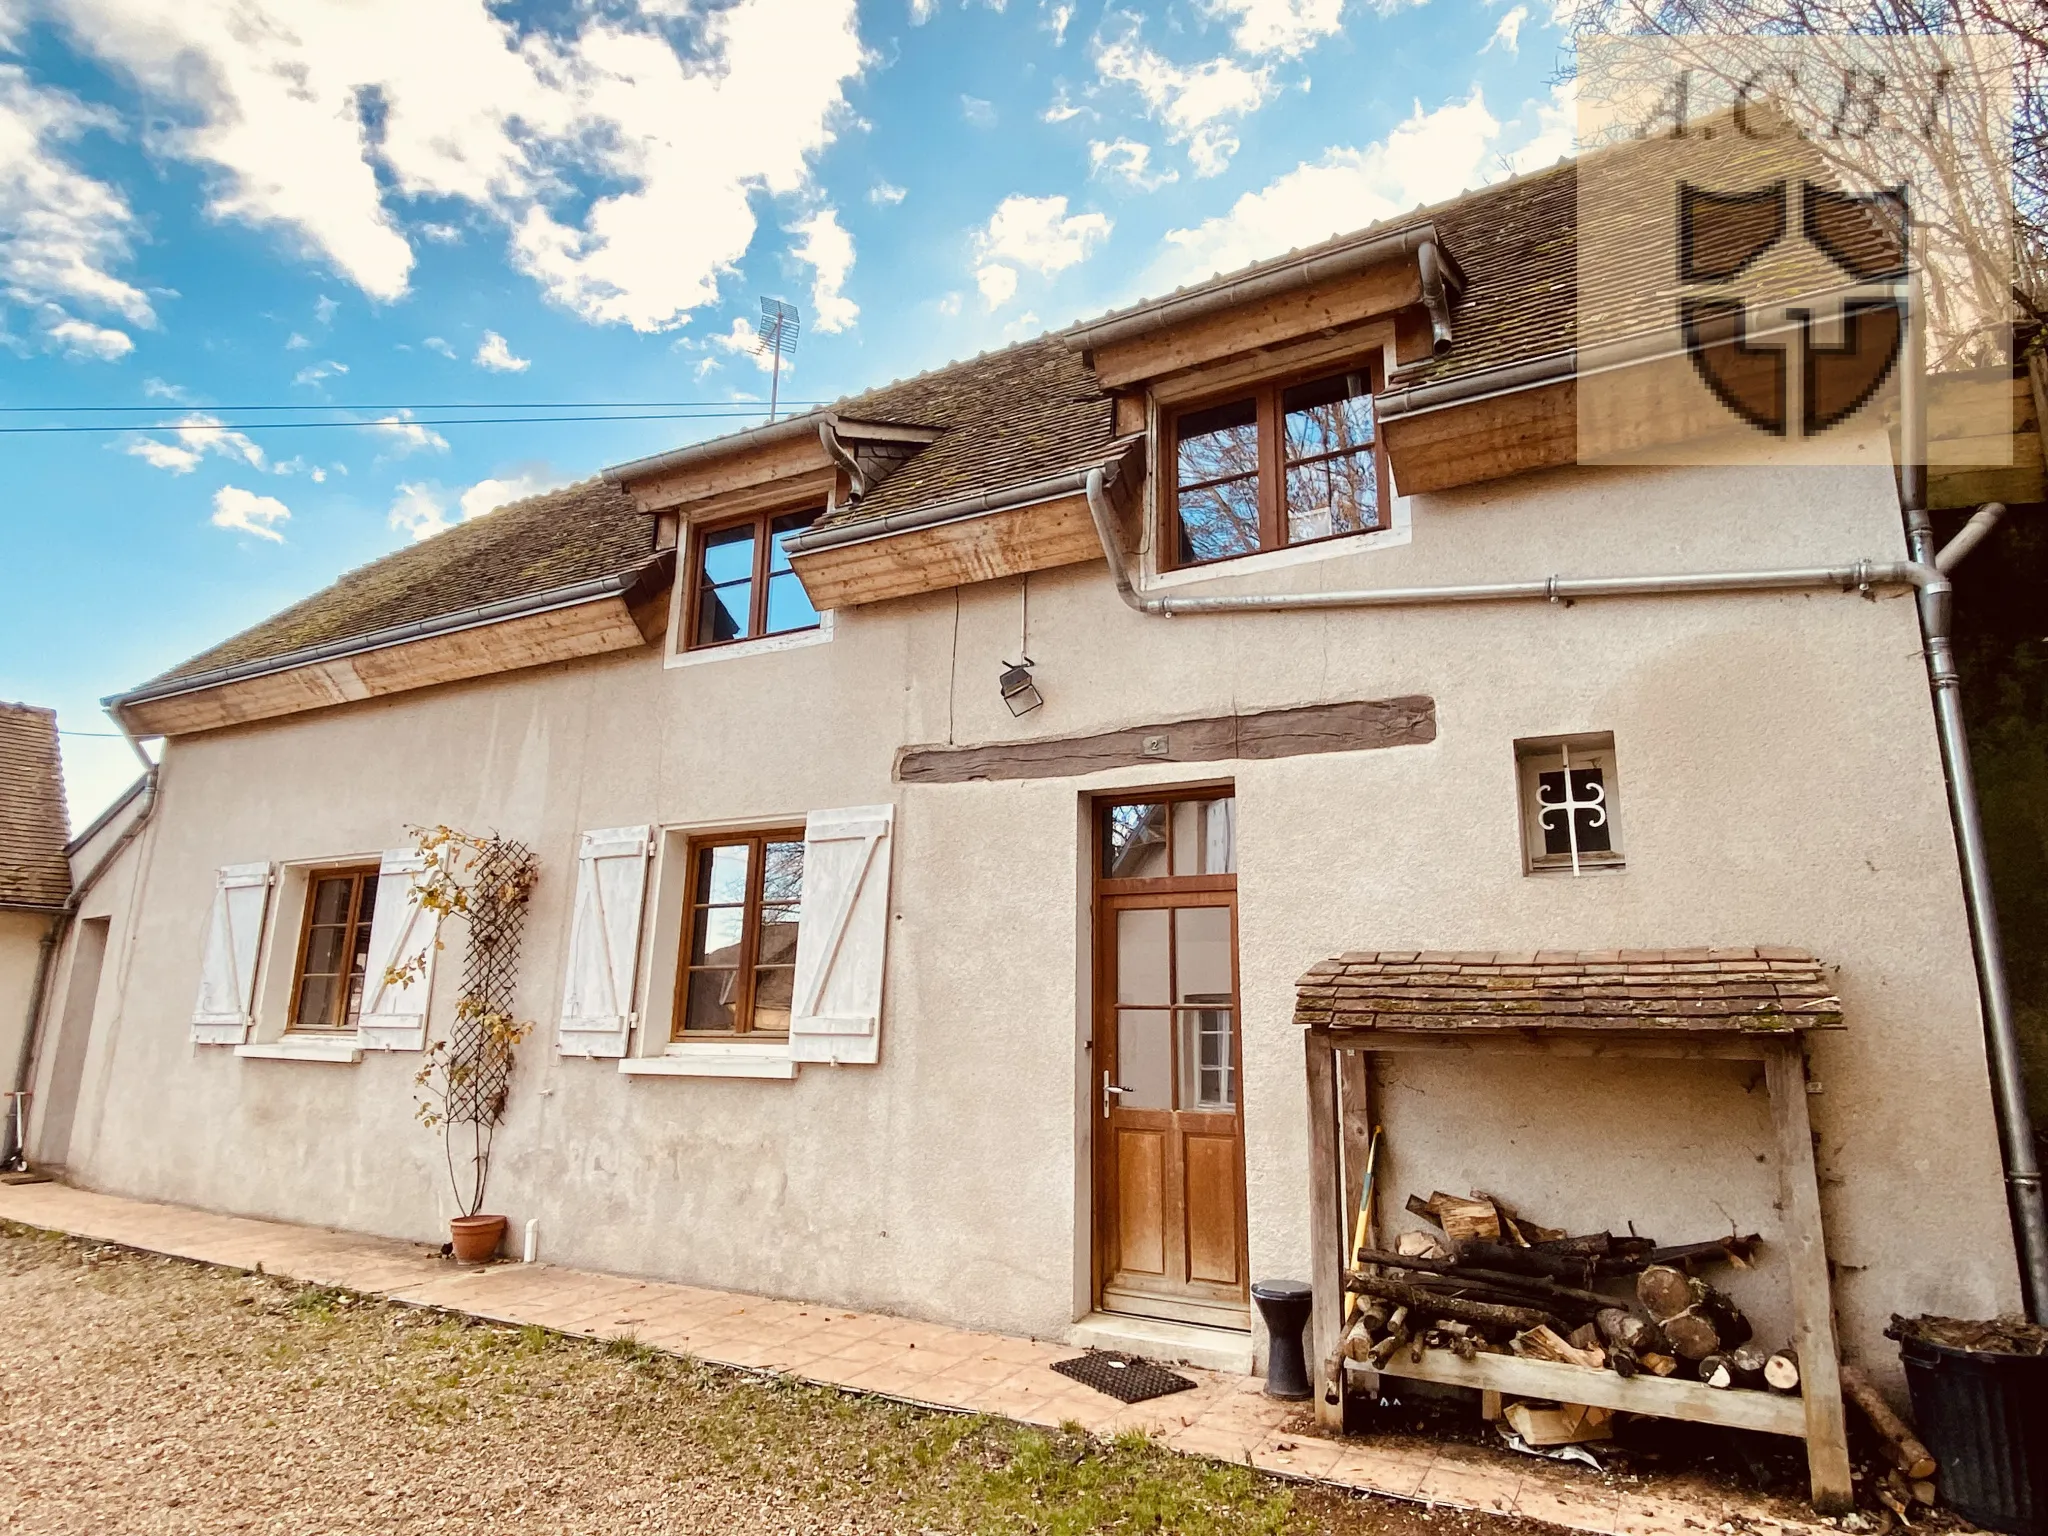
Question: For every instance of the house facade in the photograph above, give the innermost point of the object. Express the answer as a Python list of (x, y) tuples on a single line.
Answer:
[(852, 982)]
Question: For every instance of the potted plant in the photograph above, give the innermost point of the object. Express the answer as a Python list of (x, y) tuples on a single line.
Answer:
[(461, 1087)]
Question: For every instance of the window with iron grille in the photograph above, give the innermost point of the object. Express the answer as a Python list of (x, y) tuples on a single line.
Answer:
[(1571, 811)]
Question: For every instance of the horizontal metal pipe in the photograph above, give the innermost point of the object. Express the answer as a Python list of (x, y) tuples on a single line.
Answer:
[(1854, 575), (1316, 267)]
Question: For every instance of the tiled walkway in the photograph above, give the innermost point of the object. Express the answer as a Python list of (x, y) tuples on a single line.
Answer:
[(1225, 1416)]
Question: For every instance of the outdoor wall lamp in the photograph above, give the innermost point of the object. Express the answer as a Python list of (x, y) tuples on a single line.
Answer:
[(1019, 692)]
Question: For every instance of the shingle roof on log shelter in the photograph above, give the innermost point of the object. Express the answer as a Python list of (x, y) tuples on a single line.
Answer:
[(1765, 988)]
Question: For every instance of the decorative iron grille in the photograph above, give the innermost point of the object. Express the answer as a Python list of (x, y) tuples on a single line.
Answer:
[(480, 1052)]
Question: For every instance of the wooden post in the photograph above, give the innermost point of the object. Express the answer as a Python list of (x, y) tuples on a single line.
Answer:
[(1354, 1083), (1325, 1223), (1813, 1318)]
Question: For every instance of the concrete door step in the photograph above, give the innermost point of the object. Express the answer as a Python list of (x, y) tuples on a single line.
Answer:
[(1210, 1349)]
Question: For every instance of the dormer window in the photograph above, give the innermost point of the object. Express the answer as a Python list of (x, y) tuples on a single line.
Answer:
[(1285, 464), (741, 585)]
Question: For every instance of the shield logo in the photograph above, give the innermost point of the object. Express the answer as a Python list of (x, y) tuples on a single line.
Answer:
[(1865, 238)]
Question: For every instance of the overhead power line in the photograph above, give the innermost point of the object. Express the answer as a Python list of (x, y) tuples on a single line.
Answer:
[(387, 425), (414, 405)]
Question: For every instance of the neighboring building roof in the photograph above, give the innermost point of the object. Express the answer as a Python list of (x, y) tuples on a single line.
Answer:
[(1686, 989), (33, 825), (528, 547)]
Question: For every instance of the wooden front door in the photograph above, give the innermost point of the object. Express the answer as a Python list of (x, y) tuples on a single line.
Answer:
[(1169, 1144)]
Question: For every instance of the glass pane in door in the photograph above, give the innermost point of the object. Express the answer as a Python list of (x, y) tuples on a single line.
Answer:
[(1144, 1058)]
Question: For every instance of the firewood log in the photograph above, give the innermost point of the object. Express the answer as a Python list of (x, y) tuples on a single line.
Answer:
[(1631, 1331), (1718, 1371), (1547, 1344), (1527, 1261), (1910, 1456), (1749, 1361), (1533, 1289), (1697, 1319), (1730, 1250), (1781, 1371), (1585, 1336), (1417, 1299), (1658, 1364)]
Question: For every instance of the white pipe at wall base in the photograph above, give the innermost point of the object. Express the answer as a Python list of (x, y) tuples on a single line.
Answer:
[(532, 1249)]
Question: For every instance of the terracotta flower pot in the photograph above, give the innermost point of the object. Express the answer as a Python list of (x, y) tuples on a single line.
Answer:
[(475, 1239)]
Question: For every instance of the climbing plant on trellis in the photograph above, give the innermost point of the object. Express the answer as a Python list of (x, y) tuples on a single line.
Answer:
[(465, 1077)]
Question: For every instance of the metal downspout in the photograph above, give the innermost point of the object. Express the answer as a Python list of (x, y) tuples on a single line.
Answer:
[(2023, 1192), (1429, 266)]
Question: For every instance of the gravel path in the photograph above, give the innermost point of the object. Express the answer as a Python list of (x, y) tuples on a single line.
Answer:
[(148, 1395)]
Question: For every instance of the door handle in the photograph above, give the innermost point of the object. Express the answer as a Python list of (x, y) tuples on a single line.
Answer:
[(1109, 1088)]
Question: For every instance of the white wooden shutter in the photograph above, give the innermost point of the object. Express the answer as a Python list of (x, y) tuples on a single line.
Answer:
[(604, 942), (227, 963), (394, 1018), (843, 937)]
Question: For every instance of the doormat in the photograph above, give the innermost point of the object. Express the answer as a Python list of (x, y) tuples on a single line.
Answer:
[(1127, 1378)]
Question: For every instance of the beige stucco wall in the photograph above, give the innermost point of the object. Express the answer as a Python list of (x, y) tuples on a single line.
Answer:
[(21, 943), (1780, 784)]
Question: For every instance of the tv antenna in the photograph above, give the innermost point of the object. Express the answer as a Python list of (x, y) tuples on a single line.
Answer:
[(779, 326)]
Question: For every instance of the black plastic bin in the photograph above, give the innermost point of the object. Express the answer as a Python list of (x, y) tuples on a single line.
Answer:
[(1984, 1415)]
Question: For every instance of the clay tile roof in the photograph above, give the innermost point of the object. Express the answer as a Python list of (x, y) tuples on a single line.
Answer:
[(1764, 988), (523, 549), (33, 825), (1006, 418)]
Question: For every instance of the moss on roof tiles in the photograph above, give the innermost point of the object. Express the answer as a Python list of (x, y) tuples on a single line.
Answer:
[(33, 868), (579, 533)]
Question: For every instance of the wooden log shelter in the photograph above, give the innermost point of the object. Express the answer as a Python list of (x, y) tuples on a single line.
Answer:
[(1705, 1005)]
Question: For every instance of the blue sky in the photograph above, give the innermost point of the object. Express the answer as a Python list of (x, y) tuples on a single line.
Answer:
[(364, 209)]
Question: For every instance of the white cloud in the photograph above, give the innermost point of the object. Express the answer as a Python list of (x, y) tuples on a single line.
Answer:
[(885, 194), (1431, 156), (179, 461), (744, 341), (1127, 161), (64, 231), (1057, 19), (1063, 108), (296, 343), (979, 112), (198, 434), (82, 341), (623, 171), (324, 308), (422, 508), (441, 234), (1507, 36), (495, 354), (949, 304), (407, 435), (1034, 232), (437, 344), (922, 11), (998, 284), (246, 512), (157, 389), (1196, 102), (1285, 27), (706, 367), (828, 250), (313, 373)]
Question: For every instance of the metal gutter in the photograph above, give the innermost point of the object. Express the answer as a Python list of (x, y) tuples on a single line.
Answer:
[(32, 906), (1415, 399), (100, 821), (1300, 272), (1052, 487), (570, 596)]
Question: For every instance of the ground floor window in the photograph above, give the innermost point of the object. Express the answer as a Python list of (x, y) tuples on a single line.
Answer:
[(739, 943), (334, 953)]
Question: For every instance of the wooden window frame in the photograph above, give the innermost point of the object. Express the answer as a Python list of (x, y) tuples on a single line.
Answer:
[(757, 602), (1544, 754), (1272, 479), (364, 875), (757, 840), (1168, 884)]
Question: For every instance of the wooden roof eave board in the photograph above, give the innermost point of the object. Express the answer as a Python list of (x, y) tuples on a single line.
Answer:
[(625, 618)]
